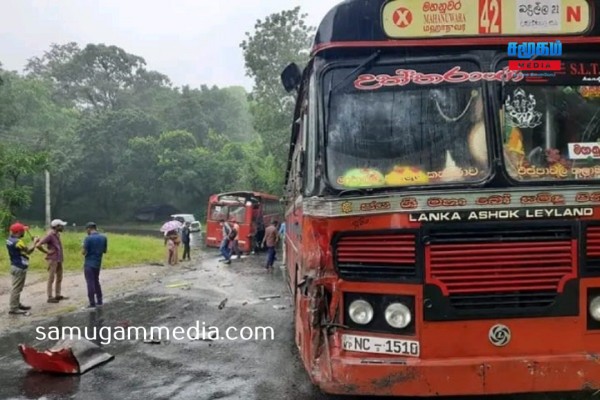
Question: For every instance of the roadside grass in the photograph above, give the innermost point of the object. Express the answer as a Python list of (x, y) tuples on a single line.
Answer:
[(123, 251)]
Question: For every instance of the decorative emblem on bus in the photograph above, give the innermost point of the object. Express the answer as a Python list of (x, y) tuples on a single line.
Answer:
[(521, 110), (347, 207), (499, 335)]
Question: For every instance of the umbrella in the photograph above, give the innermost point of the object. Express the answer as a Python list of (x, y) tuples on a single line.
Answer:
[(171, 226)]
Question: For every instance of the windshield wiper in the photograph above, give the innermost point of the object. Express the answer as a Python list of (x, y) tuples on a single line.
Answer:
[(366, 63)]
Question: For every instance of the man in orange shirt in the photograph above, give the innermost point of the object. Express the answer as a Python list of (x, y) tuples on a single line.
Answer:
[(271, 238)]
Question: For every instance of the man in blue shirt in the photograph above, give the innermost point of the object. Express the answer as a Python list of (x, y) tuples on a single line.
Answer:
[(95, 246)]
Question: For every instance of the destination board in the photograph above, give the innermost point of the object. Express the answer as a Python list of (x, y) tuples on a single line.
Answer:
[(434, 18)]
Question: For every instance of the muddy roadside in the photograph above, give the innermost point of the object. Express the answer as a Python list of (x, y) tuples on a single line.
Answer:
[(116, 283)]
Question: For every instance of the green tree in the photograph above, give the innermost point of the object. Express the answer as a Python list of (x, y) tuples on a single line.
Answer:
[(16, 164), (93, 77), (105, 139), (280, 39), (37, 124)]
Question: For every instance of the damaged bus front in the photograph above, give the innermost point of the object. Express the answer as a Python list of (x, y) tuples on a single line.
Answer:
[(443, 229)]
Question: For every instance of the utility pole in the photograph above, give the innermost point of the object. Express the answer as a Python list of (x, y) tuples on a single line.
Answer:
[(48, 203)]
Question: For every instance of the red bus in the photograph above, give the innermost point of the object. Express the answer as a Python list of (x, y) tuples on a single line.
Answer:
[(251, 210), (443, 205)]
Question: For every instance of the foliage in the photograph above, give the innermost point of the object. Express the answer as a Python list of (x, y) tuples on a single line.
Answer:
[(116, 136), (93, 77), (280, 39), (123, 250), (16, 164)]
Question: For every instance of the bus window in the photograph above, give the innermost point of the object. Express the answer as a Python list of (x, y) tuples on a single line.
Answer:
[(406, 136), (552, 132), (219, 212), (238, 212)]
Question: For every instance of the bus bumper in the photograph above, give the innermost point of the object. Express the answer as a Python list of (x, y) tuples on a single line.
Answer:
[(472, 376)]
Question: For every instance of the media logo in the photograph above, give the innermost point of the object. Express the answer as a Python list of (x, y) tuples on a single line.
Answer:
[(527, 51)]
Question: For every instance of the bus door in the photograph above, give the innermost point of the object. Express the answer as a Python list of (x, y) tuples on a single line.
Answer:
[(214, 231), (241, 213)]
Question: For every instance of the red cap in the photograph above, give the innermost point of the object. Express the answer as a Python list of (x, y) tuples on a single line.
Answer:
[(18, 228)]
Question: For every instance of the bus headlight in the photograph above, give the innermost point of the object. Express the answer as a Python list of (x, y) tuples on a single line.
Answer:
[(360, 312), (595, 308), (398, 315)]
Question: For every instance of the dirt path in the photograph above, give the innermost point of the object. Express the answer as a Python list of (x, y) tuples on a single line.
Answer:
[(115, 283)]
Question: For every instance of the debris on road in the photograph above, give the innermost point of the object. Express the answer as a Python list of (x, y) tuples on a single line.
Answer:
[(245, 302), (68, 356), (152, 341), (211, 337), (279, 307), (222, 305), (178, 285), (274, 296), (159, 299)]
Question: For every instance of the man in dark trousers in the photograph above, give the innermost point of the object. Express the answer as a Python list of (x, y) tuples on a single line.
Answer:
[(185, 239), (270, 240), (95, 246)]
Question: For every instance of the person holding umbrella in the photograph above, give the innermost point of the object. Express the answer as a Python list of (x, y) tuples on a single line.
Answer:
[(171, 240)]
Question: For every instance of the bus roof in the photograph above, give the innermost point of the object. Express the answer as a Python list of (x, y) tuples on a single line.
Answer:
[(389, 23), (243, 194)]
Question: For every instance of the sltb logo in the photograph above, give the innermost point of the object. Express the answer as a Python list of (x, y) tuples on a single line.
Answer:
[(527, 50)]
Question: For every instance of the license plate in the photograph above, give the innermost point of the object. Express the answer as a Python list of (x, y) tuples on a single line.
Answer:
[(369, 344)]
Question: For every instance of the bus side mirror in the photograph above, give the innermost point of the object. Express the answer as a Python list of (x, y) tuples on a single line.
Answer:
[(291, 77)]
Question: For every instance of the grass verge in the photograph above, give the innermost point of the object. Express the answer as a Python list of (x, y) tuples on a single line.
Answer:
[(123, 251)]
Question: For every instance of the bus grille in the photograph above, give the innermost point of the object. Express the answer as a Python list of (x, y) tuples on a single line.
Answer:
[(510, 268), (592, 251), (367, 257)]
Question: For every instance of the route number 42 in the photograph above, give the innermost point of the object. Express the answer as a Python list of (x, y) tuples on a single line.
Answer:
[(490, 16)]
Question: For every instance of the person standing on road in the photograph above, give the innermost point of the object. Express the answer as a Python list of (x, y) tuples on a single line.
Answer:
[(185, 239), (170, 243), (54, 257), (226, 242), (18, 254), (235, 247), (271, 239), (95, 246)]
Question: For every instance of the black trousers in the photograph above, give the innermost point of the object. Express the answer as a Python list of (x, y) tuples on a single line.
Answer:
[(186, 251)]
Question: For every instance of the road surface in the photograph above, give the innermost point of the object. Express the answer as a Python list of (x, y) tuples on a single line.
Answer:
[(186, 369)]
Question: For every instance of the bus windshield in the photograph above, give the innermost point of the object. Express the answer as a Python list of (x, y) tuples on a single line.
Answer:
[(389, 128), (228, 212), (551, 132)]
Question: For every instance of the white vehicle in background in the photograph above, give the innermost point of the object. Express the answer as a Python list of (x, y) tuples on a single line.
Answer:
[(195, 225)]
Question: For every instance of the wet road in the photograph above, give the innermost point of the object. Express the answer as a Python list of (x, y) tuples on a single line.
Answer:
[(187, 369)]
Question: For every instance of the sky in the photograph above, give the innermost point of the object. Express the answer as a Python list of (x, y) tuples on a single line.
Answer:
[(194, 42)]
